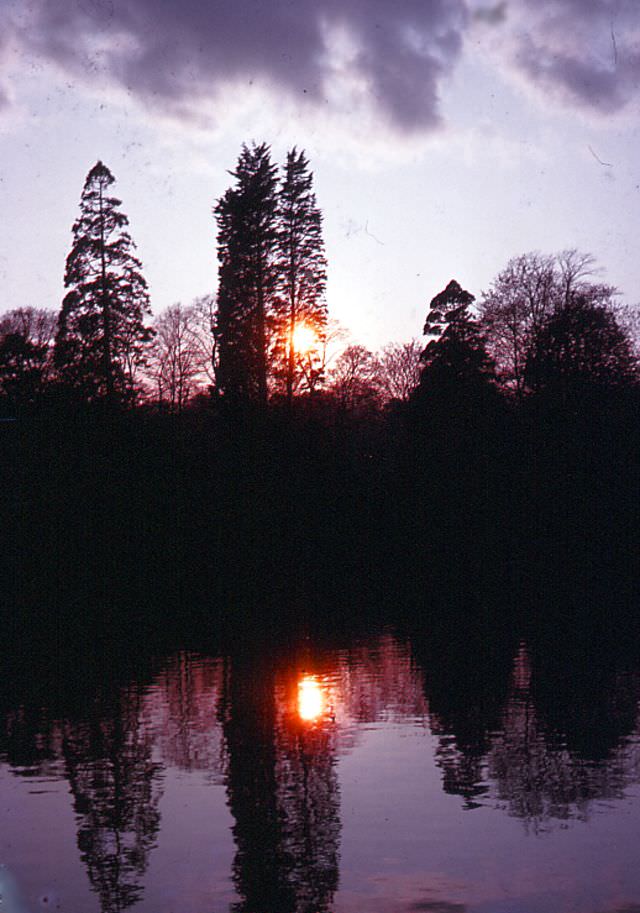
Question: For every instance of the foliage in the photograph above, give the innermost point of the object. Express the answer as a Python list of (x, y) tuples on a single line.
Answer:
[(101, 333), (530, 288), (248, 275), (354, 379), (302, 270), (578, 349), (456, 364), (399, 369), (25, 353), (628, 318), (178, 359)]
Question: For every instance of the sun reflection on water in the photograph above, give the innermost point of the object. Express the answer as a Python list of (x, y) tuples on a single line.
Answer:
[(310, 698)]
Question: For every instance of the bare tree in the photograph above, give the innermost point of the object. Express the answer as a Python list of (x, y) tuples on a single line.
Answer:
[(38, 325), (313, 360), (355, 378), (531, 288), (176, 363), (26, 352), (399, 369), (204, 339)]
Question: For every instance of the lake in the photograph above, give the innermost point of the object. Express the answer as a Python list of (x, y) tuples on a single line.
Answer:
[(380, 768)]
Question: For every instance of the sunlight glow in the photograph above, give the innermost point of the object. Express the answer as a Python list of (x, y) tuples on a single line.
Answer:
[(310, 698), (304, 338)]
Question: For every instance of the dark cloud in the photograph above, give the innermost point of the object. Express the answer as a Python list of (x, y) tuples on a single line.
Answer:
[(586, 52), (391, 54), (491, 15), (438, 906), (175, 53)]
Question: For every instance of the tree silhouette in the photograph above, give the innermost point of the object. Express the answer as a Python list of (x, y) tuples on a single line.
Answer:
[(25, 353), (176, 362), (101, 334), (531, 288), (302, 266), (283, 793), (355, 379), (248, 275), (116, 788), (456, 363), (399, 369), (579, 349)]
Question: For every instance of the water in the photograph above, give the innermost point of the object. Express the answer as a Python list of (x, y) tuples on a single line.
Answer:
[(382, 772)]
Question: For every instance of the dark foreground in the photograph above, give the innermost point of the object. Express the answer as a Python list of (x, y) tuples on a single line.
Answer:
[(285, 667)]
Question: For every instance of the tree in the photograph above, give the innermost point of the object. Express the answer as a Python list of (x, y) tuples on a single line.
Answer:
[(101, 335), (455, 364), (579, 349), (628, 318), (176, 360), (301, 308), (399, 369), (530, 288), (26, 335), (203, 337), (354, 379), (248, 275)]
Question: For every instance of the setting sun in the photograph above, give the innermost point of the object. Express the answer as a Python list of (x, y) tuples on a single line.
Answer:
[(304, 338), (310, 698)]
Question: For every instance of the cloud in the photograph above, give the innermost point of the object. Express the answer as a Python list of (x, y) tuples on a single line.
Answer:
[(438, 906), (583, 53), (491, 15), (177, 55)]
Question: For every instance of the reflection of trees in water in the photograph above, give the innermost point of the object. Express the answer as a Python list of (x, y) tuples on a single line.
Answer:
[(506, 732), (32, 742), (537, 776), (309, 799), (281, 770), (183, 703), (104, 749), (283, 794), (528, 766), (466, 680), (379, 681), (116, 790)]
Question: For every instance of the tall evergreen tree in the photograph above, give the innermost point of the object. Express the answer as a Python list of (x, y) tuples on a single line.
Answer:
[(302, 265), (248, 275), (456, 363), (101, 334)]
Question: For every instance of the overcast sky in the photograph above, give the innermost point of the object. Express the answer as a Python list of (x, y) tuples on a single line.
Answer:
[(445, 136)]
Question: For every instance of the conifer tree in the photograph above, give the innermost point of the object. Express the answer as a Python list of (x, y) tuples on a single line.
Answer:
[(101, 334), (302, 266), (456, 363), (248, 275)]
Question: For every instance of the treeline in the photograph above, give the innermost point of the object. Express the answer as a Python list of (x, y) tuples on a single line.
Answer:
[(545, 323), (243, 441)]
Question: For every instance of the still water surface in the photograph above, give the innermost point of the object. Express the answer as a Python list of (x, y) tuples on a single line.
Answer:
[(380, 774)]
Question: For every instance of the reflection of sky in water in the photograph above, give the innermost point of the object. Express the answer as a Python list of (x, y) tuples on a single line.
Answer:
[(353, 739)]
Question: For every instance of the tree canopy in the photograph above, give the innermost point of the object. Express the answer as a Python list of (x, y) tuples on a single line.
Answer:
[(101, 334), (579, 349), (456, 363), (302, 266), (247, 276)]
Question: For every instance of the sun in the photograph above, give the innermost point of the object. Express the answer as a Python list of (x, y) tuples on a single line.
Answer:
[(304, 338)]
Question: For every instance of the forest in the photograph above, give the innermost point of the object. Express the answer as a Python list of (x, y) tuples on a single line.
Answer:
[(246, 443)]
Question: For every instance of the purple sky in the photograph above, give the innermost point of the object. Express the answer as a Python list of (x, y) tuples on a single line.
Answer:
[(446, 136)]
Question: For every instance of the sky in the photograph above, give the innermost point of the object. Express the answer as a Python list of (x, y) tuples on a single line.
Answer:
[(445, 136)]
